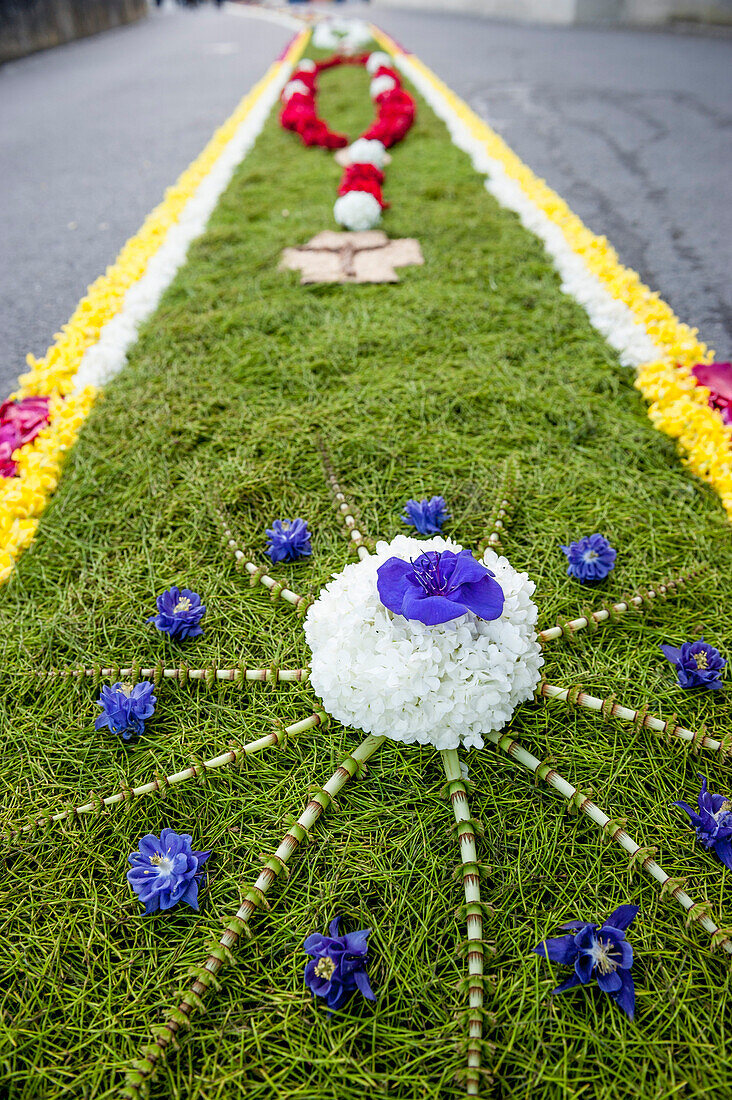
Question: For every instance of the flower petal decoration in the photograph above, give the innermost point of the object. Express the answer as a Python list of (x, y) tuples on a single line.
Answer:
[(602, 953), (125, 708), (697, 664), (591, 558), (165, 870), (712, 821), (288, 540), (338, 965), (427, 516), (179, 613), (444, 685), (717, 377), (439, 586)]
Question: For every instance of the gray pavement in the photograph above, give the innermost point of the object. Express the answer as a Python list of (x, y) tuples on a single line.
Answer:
[(632, 128), (91, 134)]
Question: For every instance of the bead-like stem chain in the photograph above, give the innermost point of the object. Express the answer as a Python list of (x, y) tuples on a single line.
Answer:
[(696, 910), (222, 951), (575, 697), (631, 603), (341, 502), (473, 914), (232, 756), (241, 674), (257, 573)]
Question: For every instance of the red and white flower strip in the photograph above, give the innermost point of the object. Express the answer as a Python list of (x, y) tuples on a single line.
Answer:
[(360, 200)]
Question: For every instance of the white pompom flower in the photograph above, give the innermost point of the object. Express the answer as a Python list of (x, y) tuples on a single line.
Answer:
[(357, 210), (381, 84), (367, 151), (294, 87), (440, 685), (376, 60), (307, 65)]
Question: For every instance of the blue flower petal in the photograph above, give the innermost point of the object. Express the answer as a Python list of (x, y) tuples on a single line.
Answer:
[(562, 949), (625, 997), (623, 916)]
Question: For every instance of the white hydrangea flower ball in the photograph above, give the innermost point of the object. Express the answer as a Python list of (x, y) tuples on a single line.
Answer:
[(376, 60), (294, 87), (357, 210), (307, 65), (381, 84), (367, 151), (440, 685)]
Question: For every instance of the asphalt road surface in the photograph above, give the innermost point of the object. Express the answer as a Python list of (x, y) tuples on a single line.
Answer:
[(631, 127)]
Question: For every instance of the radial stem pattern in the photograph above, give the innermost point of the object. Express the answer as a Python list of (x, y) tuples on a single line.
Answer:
[(257, 573), (254, 898), (473, 913), (575, 697), (210, 673), (502, 508), (642, 857), (341, 502), (605, 614), (232, 756)]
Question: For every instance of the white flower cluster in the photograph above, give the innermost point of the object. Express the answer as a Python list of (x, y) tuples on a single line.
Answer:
[(440, 685), (346, 35), (366, 151), (381, 84), (378, 60), (357, 210), (294, 87)]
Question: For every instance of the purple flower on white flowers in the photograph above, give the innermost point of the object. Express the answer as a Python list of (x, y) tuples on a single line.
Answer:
[(427, 516), (590, 558), (602, 953), (698, 664), (338, 966), (125, 708), (288, 540), (439, 586), (179, 613), (713, 823), (166, 870)]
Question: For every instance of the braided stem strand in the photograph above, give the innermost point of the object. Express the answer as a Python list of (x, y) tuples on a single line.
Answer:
[(342, 505), (502, 507), (608, 708), (257, 573), (637, 602), (232, 756), (473, 913), (142, 1071), (642, 857), (208, 673)]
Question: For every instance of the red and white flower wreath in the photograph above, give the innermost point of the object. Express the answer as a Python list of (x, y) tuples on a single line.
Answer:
[(360, 200)]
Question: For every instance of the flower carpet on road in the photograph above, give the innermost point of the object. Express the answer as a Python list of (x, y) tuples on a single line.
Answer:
[(341, 587)]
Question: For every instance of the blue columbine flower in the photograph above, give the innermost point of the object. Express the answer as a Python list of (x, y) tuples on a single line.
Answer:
[(602, 953), (338, 966), (438, 587), (125, 708), (590, 559), (713, 822), (288, 540), (697, 664), (179, 613), (166, 871), (427, 516)]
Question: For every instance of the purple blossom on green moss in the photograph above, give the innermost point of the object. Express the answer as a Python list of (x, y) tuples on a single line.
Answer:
[(590, 559), (338, 965), (125, 708), (439, 586), (427, 516), (697, 664), (602, 953), (712, 821), (179, 613), (166, 870), (288, 540)]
